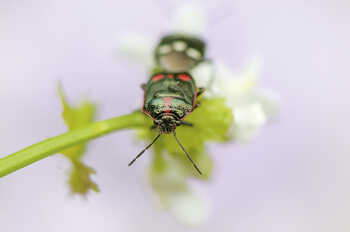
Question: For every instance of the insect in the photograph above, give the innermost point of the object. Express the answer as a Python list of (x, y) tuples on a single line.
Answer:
[(179, 53), (170, 95)]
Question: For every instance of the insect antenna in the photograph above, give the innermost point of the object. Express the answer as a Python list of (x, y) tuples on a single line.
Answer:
[(188, 156), (145, 149)]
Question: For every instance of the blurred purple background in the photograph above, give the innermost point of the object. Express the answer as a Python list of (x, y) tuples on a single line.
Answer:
[(293, 177)]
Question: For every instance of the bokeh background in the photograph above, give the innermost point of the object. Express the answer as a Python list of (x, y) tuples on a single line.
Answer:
[(294, 176)]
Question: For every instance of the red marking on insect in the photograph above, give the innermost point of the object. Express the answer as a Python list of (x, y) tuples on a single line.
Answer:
[(158, 77), (184, 77), (170, 76), (167, 101)]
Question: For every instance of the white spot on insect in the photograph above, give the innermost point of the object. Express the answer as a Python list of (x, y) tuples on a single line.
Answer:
[(179, 46), (164, 49), (193, 53)]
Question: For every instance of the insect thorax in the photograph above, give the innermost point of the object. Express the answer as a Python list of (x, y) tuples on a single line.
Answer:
[(168, 99)]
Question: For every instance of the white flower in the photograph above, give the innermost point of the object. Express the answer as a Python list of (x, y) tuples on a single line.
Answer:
[(251, 107), (137, 48), (189, 19), (188, 207)]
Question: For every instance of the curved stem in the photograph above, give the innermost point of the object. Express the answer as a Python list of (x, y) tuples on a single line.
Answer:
[(58, 143)]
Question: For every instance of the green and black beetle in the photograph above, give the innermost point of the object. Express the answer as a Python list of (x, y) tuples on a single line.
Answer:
[(168, 99)]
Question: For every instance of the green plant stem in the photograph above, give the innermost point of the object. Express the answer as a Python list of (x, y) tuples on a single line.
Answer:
[(58, 143)]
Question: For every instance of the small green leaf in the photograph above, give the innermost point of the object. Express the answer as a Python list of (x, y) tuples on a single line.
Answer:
[(80, 181), (76, 118)]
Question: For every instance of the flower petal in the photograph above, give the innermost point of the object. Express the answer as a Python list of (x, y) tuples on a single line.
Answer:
[(189, 19), (248, 119), (188, 208), (138, 48)]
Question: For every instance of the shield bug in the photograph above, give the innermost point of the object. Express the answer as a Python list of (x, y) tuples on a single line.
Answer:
[(168, 99), (179, 53)]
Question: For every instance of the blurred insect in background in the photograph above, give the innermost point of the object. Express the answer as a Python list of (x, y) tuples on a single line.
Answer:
[(172, 94), (179, 53)]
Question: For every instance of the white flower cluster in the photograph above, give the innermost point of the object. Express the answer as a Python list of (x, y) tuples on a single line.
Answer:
[(251, 107)]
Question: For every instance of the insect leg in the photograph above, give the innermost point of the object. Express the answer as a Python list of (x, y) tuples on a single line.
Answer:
[(200, 91), (186, 123), (154, 126), (196, 105)]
